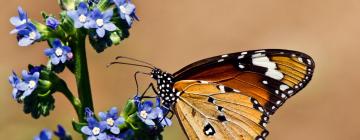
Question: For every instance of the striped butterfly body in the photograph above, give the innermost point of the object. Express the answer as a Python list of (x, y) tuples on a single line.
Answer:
[(232, 96)]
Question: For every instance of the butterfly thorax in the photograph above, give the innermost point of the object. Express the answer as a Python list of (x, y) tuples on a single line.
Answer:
[(166, 91)]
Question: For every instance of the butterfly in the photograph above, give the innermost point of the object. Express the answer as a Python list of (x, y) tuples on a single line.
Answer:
[(232, 96)]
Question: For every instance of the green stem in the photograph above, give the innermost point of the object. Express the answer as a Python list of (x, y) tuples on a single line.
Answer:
[(75, 102), (82, 74)]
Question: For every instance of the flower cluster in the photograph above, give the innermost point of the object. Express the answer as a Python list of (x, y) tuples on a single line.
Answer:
[(63, 36), (152, 116), (46, 134), (22, 88), (138, 119), (26, 31), (107, 127), (106, 23)]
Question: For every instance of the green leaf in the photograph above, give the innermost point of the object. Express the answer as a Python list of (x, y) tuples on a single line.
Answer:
[(130, 108), (77, 126), (115, 38)]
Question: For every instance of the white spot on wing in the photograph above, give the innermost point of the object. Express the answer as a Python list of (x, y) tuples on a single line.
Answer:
[(224, 55), (241, 56), (260, 51), (220, 60), (284, 87), (222, 89), (271, 67), (241, 66), (265, 82), (301, 60), (309, 61)]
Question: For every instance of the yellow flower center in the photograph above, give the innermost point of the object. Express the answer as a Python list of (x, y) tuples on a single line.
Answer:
[(58, 52), (32, 84), (110, 121), (143, 114), (82, 18), (100, 22), (32, 35), (96, 131)]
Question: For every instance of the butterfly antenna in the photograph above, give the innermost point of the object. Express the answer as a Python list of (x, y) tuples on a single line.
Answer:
[(133, 59), (131, 64)]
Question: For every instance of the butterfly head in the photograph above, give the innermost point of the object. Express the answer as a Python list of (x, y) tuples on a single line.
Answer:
[(165, 82)]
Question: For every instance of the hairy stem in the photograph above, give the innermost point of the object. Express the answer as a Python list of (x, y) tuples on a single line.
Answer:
[(82, 74)]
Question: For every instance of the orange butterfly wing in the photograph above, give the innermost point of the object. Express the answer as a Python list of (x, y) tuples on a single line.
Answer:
[(270, 76), (212, 111)]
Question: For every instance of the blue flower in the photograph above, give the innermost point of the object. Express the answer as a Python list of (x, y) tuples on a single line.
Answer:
[(160, 111), (23, 88), (112, 120), (58, 53), (28, 34), (52, 23), (146, 113), (94, 129), (101, 21), (126, 10), (80, 16), (19, 21), (61, 133), (45, 134), (14, 81)]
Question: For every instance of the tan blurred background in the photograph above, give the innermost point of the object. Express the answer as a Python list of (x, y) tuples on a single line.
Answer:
[(174, 33)]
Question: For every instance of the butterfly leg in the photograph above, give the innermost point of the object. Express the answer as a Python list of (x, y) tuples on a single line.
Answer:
[(136, 82), (151, 85)]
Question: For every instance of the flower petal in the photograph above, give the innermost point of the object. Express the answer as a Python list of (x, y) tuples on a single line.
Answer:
[(107, 15), (55, 60), (102, 136), (25, 41), (100, 32), (103, 116), (82, 8), (49, 52), (73, 15), (110, 27), (115, 130), (86, 130), (149, 122)]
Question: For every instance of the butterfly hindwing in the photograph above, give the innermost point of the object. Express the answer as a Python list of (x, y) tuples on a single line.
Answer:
[(213, 111), (270, 76)]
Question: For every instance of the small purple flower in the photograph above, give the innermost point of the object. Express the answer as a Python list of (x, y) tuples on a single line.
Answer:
[(26, 86), (45, 134), (52, 23), (14, 81), (159, 110), (19, 21), (94, 130), (61, 133), (28, 34), (112, 120), (146, 113), (126, 10), (58, 53), (80, 16), (101, 21)]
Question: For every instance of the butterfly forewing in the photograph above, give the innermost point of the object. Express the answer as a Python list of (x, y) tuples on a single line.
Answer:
[(206, 106), (270, 76)]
